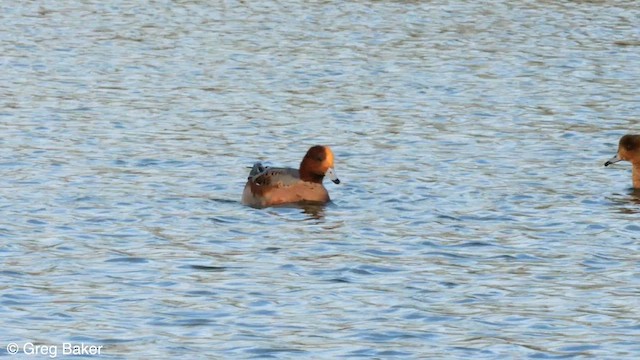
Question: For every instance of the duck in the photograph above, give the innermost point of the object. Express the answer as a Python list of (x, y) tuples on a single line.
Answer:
[(269, 186), (629, 150)]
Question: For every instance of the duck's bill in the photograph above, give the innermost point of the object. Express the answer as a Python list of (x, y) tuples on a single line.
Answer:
[(613, 160), (332, 175)]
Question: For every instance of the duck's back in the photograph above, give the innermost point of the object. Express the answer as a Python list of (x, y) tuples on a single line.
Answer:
[(277, 177)]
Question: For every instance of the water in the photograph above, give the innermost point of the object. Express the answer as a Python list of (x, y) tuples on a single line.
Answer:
[(474, 218)]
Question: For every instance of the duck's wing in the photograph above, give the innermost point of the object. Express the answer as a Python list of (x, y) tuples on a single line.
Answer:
[(256, 170), (271, 176)]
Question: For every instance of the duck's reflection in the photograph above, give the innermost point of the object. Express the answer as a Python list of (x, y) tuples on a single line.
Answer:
[(313, 210), (628, 203)]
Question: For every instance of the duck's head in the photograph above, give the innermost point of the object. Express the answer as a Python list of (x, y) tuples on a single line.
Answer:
[(318, 163), (628, 150)]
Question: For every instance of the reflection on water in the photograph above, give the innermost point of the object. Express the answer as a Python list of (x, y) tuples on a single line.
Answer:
[(626, 203), (314, 211), (476, 219)]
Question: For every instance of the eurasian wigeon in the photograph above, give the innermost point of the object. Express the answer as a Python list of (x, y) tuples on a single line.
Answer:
[(629, 150), (267, 186)]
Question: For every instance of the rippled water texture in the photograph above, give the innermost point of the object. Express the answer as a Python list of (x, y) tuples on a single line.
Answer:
[(474, 219)]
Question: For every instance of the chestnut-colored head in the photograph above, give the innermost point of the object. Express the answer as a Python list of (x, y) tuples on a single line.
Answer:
[(317, 163), (628, 150)]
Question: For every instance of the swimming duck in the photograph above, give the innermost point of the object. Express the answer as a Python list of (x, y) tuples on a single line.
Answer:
[(267, 186), (629, 150)]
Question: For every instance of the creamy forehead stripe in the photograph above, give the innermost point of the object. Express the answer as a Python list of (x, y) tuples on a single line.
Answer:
[(329, 155)]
